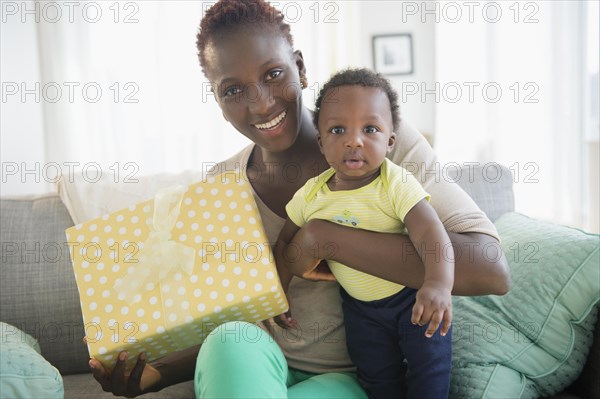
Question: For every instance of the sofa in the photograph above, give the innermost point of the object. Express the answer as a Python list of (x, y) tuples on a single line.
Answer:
[(40, 309)]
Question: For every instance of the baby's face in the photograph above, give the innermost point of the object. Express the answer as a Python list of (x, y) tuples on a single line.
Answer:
[(355, 130)]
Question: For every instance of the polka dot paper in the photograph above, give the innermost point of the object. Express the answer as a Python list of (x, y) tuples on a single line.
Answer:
[(162, 285)]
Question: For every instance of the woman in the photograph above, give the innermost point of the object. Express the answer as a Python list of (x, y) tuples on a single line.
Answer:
[(246, 51)]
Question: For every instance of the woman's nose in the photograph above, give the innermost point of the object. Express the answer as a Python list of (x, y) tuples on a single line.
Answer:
[(260, 99)]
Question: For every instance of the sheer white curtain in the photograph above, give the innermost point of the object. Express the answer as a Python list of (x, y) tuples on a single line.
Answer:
[(527, 110), (155, 110)]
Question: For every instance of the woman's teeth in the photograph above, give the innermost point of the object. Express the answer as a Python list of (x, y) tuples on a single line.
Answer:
[(272, 123)]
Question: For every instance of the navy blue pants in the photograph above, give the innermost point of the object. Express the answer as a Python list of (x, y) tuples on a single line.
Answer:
[(380, 337)]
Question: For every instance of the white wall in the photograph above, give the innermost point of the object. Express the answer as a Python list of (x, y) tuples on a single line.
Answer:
[(385, 17), (21, 124), (351, 26)]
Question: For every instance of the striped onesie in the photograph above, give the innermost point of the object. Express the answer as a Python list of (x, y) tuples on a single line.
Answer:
[(379, 206)]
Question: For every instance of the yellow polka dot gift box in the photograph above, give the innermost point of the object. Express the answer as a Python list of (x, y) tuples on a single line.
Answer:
[(160, 275)]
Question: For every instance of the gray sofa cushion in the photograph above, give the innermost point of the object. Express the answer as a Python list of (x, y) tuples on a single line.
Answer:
[(490, 186), (38, 294), (83, 386)]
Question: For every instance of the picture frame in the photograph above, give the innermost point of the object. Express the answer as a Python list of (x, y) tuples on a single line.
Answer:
[(393, 54)]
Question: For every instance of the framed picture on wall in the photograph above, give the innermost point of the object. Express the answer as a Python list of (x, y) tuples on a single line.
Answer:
[(393, 54)]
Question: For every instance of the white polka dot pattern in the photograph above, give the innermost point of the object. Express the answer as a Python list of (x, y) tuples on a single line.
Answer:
[(232, 279)]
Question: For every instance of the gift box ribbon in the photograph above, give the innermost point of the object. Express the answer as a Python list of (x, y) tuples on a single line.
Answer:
[(162, 262)]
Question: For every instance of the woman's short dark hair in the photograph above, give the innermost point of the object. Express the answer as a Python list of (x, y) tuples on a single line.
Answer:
[(228, 16)]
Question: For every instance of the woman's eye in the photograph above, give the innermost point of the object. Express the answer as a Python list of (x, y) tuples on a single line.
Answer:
[(371, 129), (336, 130), (273, 74), (232, 91)]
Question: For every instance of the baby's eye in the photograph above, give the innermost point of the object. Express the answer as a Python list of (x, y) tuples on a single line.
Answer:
[(274, 73), (336, 130), (232, 91), (371, 129)]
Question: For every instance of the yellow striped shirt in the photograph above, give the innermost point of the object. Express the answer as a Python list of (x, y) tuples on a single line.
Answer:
[(379, 206)]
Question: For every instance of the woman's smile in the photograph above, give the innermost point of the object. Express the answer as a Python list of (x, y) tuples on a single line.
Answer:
[(274, 126)]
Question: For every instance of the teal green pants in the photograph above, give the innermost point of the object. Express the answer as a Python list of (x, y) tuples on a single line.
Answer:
[(240, 360)]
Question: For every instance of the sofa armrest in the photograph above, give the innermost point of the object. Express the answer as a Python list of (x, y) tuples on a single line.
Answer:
[(490, 185)]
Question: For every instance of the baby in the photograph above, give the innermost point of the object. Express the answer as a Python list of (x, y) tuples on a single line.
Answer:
[(357, 117)]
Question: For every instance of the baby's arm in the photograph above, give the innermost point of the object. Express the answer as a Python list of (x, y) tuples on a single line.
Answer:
[(434, 302)]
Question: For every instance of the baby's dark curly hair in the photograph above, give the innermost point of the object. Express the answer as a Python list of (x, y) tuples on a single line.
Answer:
[(359, 77), (227, 16)]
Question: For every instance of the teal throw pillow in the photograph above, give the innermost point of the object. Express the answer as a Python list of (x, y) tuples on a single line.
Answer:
[(24, 373), (534, 340)]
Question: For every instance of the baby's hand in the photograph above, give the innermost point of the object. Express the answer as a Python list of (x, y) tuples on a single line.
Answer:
[(433, 305)]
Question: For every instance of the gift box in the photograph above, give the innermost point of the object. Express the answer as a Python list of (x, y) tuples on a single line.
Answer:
[(160, 275)]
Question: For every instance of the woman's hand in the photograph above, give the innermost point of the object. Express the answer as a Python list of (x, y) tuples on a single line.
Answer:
[(305, 259), (294, 257), (141, 379), (285, 320), (320, 272)]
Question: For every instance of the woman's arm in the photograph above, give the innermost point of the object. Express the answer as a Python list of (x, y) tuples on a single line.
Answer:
[(480, 265), (293, 260), (478, 270), (283, 253), (143, 378)]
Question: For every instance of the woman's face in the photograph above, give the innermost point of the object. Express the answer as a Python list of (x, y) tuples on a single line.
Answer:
[(255, 76)]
